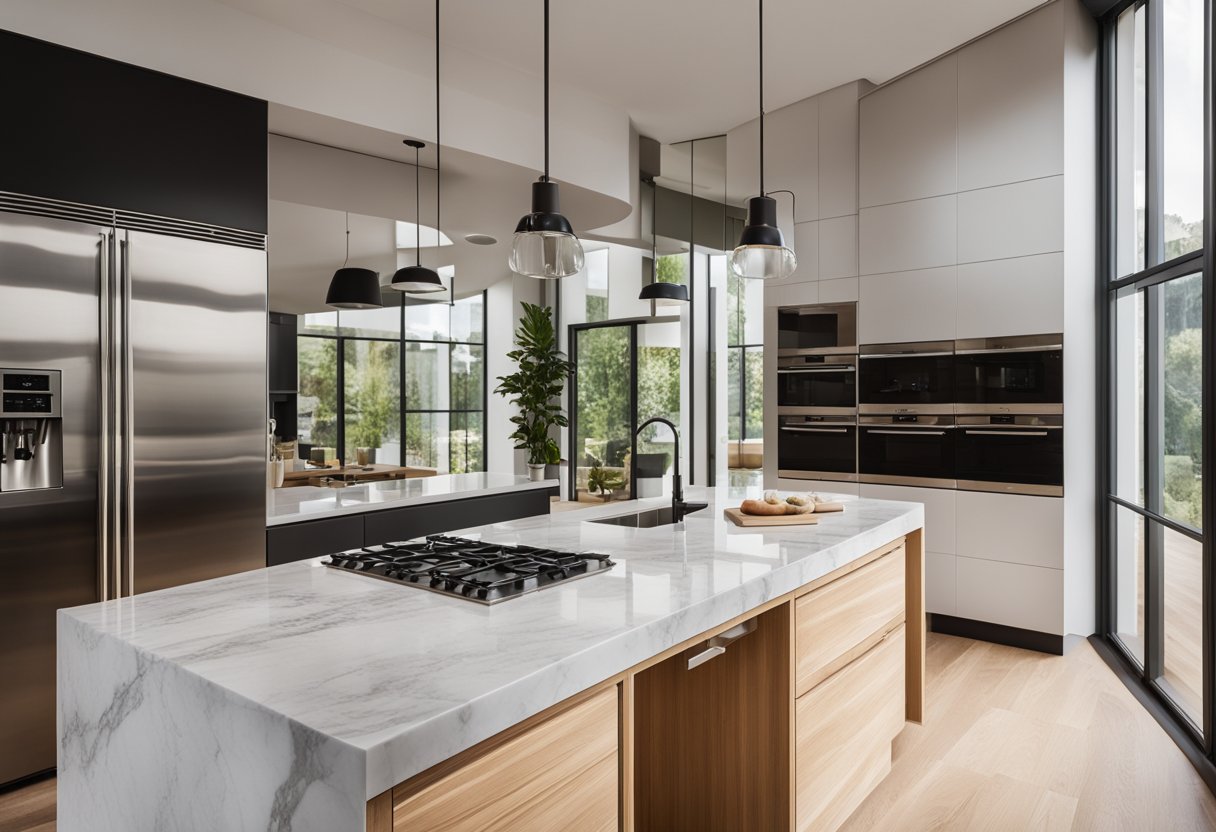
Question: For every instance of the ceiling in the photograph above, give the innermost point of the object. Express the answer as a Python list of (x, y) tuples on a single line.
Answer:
[(687, 68)]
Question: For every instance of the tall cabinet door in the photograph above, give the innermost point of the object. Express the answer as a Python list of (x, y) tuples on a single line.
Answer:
[(49, 281), (197, 407)]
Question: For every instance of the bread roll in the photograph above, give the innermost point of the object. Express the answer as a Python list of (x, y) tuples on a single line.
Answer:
[(763, 509)]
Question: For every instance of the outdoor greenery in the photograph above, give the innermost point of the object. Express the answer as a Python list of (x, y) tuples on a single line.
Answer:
[(1183, 386), (744, 367), (373, 394), (535, 387)]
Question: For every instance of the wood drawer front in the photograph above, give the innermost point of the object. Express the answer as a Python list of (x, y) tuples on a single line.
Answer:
[(844, 729), (840, 620), (562, 774)]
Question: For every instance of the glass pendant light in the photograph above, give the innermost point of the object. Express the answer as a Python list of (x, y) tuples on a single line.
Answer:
[(545, 245), (351, 287), (762, 253), (418, 279)]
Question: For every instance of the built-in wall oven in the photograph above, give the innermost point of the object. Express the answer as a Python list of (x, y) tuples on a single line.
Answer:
[(822, 329), (1012, 454), (906, 378), (817, 384), (811, 447), (1009, 375), (907, 449)]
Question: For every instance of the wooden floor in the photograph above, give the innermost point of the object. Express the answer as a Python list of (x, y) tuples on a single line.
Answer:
[(1013, 740)]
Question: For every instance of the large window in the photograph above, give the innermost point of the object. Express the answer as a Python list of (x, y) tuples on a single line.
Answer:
[(1159, 324), (744, 379), (352, 398)]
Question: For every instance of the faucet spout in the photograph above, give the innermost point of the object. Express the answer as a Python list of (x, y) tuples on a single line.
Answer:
[(679, 508)]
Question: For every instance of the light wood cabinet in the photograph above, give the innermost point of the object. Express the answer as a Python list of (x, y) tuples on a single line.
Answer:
[(560, 774), (841, 620), (844, 729), (789, 728)]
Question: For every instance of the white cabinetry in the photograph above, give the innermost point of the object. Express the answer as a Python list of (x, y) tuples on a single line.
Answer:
[(909, 235), (907, 306), (1011, 220), (1019, 296)]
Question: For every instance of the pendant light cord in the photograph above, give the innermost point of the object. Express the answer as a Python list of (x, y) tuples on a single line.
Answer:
[(761, 97), (546, 176), (347, 260), (438, 144), (417, 214)]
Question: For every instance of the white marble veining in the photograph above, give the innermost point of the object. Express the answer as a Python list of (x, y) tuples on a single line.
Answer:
[(288, 696), (310, 502)]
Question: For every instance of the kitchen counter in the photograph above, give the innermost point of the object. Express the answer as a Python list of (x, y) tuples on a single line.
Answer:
[(310, 502), (288, 697)]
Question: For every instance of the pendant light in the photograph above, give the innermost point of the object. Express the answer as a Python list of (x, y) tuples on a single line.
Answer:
[(418, 279), (545, 245), (351, 287), (662, 293), (762, 252)]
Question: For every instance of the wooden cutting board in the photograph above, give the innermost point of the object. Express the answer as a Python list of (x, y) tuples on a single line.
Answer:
[(740, 519)]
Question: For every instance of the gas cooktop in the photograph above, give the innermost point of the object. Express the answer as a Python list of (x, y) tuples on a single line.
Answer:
[(473, 569)]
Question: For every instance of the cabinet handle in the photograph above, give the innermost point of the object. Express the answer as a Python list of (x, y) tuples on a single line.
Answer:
[(907, 432), (1005, 432), (717, 645), (815, 430)]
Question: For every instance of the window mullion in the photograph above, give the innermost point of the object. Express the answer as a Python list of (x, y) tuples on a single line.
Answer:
[(1154, 92)]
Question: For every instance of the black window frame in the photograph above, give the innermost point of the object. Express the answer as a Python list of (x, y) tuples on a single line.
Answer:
[(1145, 677)]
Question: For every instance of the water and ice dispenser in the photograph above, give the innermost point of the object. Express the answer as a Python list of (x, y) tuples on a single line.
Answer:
[(31, 430)]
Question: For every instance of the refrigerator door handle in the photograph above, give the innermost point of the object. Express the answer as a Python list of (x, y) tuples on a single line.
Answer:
[(126, 552), (105, 590)]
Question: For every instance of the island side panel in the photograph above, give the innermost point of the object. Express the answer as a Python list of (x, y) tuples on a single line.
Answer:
[(145, 745), (914, 577)]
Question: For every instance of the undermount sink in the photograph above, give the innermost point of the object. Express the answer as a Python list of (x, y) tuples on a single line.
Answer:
[(641, 519)]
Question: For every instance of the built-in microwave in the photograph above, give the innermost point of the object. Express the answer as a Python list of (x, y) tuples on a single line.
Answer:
[(1022, 374), (817, 385), (817, 448), (906, 378), (822, 329)]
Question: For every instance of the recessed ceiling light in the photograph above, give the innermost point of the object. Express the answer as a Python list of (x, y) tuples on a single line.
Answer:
[(480, 239)]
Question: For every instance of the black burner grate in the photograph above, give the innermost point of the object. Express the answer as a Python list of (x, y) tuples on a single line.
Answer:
[(481, 571)]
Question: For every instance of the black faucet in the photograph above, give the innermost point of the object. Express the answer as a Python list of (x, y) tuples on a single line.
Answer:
[(679, 508)]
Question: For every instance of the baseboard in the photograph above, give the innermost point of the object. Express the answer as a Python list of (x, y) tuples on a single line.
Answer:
[(996, 633), (28, 780)]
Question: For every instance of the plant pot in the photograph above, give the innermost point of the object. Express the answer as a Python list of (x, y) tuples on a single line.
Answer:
[(536, 471)]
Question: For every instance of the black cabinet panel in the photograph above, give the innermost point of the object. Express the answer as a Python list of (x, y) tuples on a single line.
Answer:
[(300, 541), (87, 129), (436, 518)]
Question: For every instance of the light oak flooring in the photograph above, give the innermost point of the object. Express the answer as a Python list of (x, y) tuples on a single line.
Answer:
[(1013, 740)]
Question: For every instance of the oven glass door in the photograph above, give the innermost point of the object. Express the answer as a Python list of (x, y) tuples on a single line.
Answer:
[(827, 327), (824, 385), (894, 453), (824, 449), (1032, 456), (1010, 377), (906, 380)]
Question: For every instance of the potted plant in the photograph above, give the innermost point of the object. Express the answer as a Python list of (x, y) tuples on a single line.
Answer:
[(603, 482), (535, 387)]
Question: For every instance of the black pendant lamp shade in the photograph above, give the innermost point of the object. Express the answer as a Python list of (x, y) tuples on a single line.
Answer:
[(762, 253), (663, 293), (416, 278), (545, 245), (352, 287)]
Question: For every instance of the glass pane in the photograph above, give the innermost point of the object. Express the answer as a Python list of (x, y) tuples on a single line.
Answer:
[(468, 319), (319, 323), (427, 380), (734, 390), (373, 401), (427, 320), (427, 441), (1183, 613), (372, 323), (596, 274), (468, 376), (1127, 415), (753, 398), (1130, 150), (1129, 580), (602, 442), (465, 445), (317, 402), (659, 388), (1182, 384), (1182, 128), (673, 268)]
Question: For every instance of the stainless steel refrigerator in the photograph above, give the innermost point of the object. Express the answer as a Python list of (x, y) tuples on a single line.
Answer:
[(133, 427)]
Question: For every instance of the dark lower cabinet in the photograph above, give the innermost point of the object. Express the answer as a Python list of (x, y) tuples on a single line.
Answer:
[(300, 541), (313, 538)]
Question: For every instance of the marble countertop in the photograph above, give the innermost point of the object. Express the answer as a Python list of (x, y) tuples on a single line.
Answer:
[(310, 502), (405, 678)]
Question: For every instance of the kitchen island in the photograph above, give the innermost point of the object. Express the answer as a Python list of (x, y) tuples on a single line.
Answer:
[(307, 698)]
